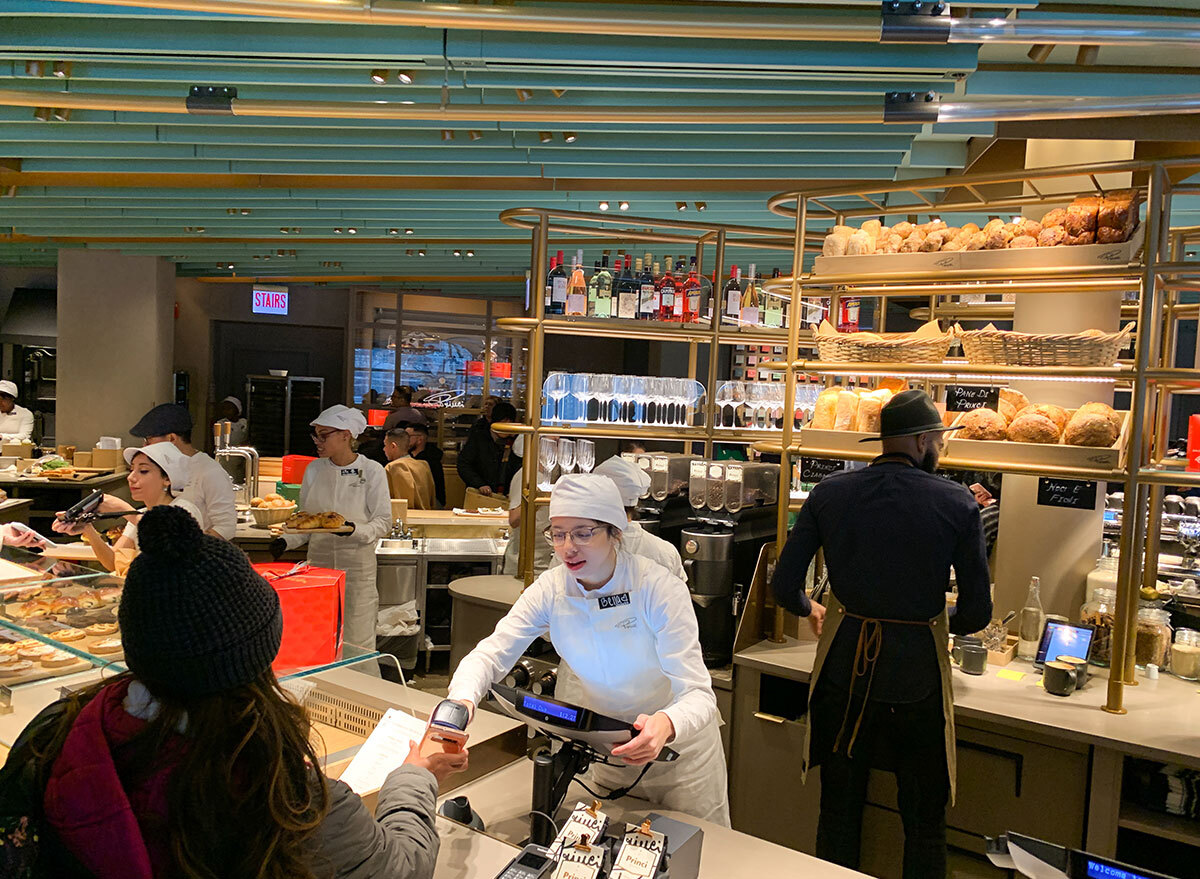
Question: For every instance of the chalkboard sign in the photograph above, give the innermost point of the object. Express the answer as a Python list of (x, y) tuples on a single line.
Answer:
[(816, 469), (1073, 493), (964, 398)]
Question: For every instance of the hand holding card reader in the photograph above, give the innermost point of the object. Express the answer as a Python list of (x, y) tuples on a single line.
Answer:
[(534, 862), (447, 728)]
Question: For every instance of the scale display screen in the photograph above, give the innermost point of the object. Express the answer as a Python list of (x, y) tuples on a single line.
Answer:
[(1098, 870), (1087, 866), (550, 709)]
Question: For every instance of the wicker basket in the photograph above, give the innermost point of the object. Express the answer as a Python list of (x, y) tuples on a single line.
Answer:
[(1004, 347), (890, 348), (264, 516)]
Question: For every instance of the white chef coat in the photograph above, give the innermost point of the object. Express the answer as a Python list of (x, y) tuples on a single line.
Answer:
[(636, 540), (210, 488), (238, 431), (16, 426), (638, 654), (358, 491), (543, 555), (131, 528)]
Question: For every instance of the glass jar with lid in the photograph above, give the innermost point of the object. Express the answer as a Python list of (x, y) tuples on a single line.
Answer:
[(1185, 654), (1099, 613), (1153, 639)]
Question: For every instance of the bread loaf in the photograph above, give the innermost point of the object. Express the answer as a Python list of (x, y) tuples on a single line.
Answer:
[(847, 410), (836, 241), (992, 225), (1019, 400), (1056, 217), (1007, 410), (1032, 228), (1082, 238), (983, 424), (976, 241), (872, 228), (1090, 429), (1052, 236), (889, 243), (1082, 215), (1022, 241), (867, 420), (998, 238), (1114, 417), (913, 242), (1033, 428), (1057, 414), (825, 410), (861, 244), (1119, 212), (934, 240), (1109, 235), (903, 229)]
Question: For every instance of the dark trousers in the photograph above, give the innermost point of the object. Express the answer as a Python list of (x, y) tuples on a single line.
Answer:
[(908, 739)]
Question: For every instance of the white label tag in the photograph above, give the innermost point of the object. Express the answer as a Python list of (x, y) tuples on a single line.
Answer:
[(750, 316), (697, 468), (627, 305), (716, 471), (733, 472), (658, 464), (576, 304)]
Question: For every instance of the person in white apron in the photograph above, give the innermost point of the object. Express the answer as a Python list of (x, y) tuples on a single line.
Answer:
[(343, 481), (626, 628)]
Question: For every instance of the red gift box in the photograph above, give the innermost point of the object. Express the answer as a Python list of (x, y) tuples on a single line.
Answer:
[(292, 471), (313, 603)]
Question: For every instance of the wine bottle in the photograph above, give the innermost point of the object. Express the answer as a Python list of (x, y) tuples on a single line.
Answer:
[(690, 295), (749, 312), (558, 284), (733, 296), (548, 292), (647, 292), (1031, 621), (668, 304), (627, 289), (603, 281), (577, 288)]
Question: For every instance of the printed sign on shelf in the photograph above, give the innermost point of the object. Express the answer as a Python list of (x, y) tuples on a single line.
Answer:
[(964, 398), (1073, 493)]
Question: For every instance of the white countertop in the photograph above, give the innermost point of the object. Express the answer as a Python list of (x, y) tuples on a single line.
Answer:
[(1163, 722)]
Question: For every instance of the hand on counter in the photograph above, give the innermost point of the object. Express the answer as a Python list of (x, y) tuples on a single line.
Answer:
[(441, 764), (655, 731), (816, 618)]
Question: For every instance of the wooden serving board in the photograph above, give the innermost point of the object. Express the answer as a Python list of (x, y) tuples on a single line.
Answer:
[(345, 529), (71, 552)]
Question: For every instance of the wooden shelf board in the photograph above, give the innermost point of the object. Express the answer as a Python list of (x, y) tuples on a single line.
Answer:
[(1160, 824)]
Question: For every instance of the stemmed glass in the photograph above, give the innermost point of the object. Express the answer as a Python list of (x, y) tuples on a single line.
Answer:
[(602, 387), (547, 458), (622, 392), (566, 455), (580, 384), (636, 413), (556, 387), (585, 455), (693, 394)]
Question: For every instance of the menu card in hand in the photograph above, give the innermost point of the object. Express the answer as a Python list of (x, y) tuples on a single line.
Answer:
[(384, 750)]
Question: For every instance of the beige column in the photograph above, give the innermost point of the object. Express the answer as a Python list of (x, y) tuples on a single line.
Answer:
[(115, 342), (1058, 545)]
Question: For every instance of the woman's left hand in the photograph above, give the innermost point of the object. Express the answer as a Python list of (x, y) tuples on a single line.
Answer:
[(655, 731)]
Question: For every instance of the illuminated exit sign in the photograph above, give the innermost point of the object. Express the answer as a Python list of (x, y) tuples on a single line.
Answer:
[(269, 300)]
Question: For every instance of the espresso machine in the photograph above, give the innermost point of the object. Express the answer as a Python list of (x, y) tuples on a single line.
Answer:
[(707, 552)]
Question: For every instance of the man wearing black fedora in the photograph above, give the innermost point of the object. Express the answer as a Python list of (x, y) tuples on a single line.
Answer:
[(880, 694)]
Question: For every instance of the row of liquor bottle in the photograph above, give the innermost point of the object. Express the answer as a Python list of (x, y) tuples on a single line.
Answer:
[(638, 288)]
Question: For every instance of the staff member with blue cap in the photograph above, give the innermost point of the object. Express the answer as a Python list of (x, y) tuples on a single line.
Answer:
[(880, 695), (625, 627)]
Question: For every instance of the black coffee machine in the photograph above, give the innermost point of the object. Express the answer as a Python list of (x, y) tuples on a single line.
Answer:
[(707, 552)]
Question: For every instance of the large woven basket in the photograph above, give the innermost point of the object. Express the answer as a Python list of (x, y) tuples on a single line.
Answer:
[(1043, 349), (890, 348), (264, 516)]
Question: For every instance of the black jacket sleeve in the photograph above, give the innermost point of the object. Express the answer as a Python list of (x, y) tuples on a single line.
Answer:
[(791, 570), (439, 477), (974, 607), (472, 464)]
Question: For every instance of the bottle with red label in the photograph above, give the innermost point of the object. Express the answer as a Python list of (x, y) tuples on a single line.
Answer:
[(557, 281), (667, 292), (690, 295)]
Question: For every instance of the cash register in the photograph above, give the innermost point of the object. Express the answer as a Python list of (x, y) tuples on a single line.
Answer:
[(1038, 859)]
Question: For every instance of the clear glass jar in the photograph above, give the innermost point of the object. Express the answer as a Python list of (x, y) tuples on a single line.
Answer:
[(1103, 576), (1153, 642), (1185, 654), (1099, 613)]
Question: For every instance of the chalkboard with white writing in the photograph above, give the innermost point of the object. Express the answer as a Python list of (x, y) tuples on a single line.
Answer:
[(1073, 493), (964, 398), (816, 469)]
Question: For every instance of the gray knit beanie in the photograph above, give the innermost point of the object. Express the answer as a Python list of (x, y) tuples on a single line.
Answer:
[(196, 618)]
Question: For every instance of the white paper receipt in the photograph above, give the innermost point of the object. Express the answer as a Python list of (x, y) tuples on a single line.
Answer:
[(384, 750)]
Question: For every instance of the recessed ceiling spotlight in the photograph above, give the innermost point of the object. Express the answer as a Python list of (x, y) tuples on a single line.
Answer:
[(701, 205), (408, 252), (393, 231), (475, 135), (421, 252), (624, 205), (408, 102), (245, 212), (231, 211), (569, 136), (470, 253), (379, 77), (458, 252), (351, 230), (405, 76), (603, 205), (447, 134), (230, 267), (60, 114), (681, 205), (558, 93), (283, 230), (34, 68), (42, 114), (408, 231), (62, 69), (545, 136), (295, 230), (524, 95), (337, 231)]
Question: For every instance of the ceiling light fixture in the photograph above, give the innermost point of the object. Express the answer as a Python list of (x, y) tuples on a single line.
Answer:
[(34, 68), (524, 95), (408, 252), (245, 212), (447, 134), (230, 267), (60, 114), (42, 114), (569, 136), (470, 253), (623, 205), (393, 231), (475, 135), (352, 231), (379, 77), (405, 76), (337, 231), (545, 136), (283, 230), (458, 252), (603, 205), (61, 69), (408, 231), (701, 205), (1040, 52), (681, 205), (558, 93), (408, 102), (421, 252)]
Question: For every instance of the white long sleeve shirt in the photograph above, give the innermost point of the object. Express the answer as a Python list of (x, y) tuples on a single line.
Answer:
[(16, 426), (210, 488), (633, 644), (636, 540), (358, 491)]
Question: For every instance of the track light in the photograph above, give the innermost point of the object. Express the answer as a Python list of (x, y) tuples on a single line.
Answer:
[(34, 68), (701, 205), (393, 231), (408, 231), (408, 252), (421, 252), (470, 253), (569, 136), (1087, 55), (61, 69), (558, 93), (283, 230), (624, 205), (524, 95), (10, 191), (681, 205), (545, 136), (352, 231), (379, 77), (42, 114), (1040, 52), (60, 114), (245, 212), (475, 135), (405, 76), (447, 134), (457, 252), (603, 205), (337, 231), (230, 267)]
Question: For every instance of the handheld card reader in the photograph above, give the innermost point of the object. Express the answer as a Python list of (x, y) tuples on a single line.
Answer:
[(447, 728), (533, 862)]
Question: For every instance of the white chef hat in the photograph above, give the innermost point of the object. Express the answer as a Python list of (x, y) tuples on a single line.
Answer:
[(631, 480), (588, 496), (7, 387), (173, 462), (341, 417), (237, 404)]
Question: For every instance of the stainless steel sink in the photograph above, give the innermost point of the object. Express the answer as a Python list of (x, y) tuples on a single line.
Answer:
[(395, 544), (460, 546)]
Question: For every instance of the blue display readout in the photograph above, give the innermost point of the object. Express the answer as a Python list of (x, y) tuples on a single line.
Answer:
[(1097, 870), (551, 709)]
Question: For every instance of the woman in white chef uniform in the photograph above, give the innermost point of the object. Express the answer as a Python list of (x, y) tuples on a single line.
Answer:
[(343, 481), (626, 628)]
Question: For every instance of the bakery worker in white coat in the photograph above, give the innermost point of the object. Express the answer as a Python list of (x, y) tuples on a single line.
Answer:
[(626, 628), (343, 481), (16, 422)]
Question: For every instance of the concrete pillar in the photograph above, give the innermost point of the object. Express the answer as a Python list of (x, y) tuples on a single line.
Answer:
[(115, 342), (1058, 545)]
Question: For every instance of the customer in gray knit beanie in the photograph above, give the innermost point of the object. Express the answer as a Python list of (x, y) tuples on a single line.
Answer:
[(195, 617)]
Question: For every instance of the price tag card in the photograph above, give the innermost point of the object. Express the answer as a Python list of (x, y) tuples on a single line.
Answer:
[(733, 472), (697, 469), (750, 316), (964, 398), (640, 856), (604, 307), (586, 822), (576, 303), (816, 469), (659, 463), (1071, 493)]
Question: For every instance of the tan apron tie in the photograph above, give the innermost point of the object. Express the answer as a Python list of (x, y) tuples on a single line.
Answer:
[(866, 652)]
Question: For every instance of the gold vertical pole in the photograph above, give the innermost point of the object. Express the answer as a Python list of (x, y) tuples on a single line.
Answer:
[(714, 350), (789, 405), (487, 355), (692, 351), (533, 402), (1136, 497)]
